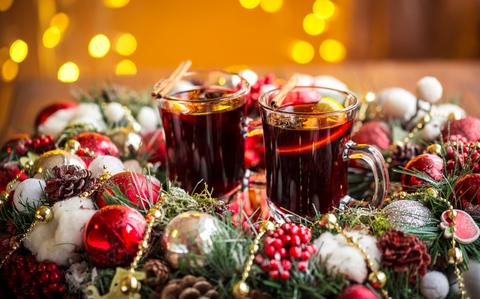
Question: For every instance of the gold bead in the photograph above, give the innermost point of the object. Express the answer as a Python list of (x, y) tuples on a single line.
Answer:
[(401, 194), (129, 284), (43, 214), (455, 255), (432, 192), (453, 116), (377, 279), (267, 226), (72, 146), (154, 213), (434, 148), (241, 290), (452, 214), (328, 220), (145, 244)]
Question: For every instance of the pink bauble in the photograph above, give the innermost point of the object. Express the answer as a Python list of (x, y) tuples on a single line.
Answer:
[(428, 164)]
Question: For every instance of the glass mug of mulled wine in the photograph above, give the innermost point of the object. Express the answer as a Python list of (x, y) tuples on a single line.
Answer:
[(204, 124), (307, 149)]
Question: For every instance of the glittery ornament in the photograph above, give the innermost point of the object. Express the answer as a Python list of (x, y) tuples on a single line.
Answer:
[(466, 229), (112, 235), (357, 291), (189, 233), (407, 214), (127, 141), (427, 164), (93, 145), (467, 190), (47, 161)]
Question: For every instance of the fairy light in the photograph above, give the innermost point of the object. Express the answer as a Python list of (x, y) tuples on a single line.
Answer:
[(302, 52), (51, 37), (5, 4), (18, 51), (271, 6), (332, 50), (99, 46), (126, 67), (324, 9), (60, 21), (68, 72), (126, 44), (250, 4), (313, 24), (115, 3), (9, 70)]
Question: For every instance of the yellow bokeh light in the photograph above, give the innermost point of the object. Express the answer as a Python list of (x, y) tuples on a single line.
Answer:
[(313, 25), (99, 46), (5, 4), (302, 52), (271, 5), (61, 21), (126, 67), (51, 37), (324, 9), (115, 3), (9, 70), (68, 72), (126, 44), (249, 4), (18, 51), (332, 50)]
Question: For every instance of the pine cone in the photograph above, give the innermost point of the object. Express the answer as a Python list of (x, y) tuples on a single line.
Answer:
[(403, 153), (157, 273), (188, 287), (68, 181), (404, 252)]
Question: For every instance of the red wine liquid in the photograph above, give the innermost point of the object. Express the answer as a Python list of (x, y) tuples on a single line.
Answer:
[(205, 147), (305, 167)]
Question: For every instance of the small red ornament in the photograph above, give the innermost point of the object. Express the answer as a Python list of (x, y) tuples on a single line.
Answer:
[(429, 164), (374, 132), (138, 188), (466, 230), (48, 111), (23, 143), (93, 145), (112, 235), (357, 291), (153, 147), (8, 172), (468, 127), (467, 190), (256, 91)]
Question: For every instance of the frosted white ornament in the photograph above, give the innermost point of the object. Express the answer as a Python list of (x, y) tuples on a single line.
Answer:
[(398, 103), (28, 194), (330, 82), (101, 163), (429, 89), (250, 76), (114, 112), (434, 285), (133, 166), (148, 118)]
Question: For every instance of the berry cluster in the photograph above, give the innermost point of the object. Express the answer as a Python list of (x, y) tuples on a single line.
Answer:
[(256, 91), (284, 248), (27, 278), (459, 152), (38, 144)]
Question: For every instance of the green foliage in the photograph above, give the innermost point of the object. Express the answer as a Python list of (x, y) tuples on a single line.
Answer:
[(364, 218), (72, 131)]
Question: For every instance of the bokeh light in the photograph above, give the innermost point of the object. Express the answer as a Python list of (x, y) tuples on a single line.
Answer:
[(18, 51), (51, 37), (332, 50), (5, 4), (99, 46), (249, 4), (68, 72), (61, 21), (9, 70), (271, 6), (126, 67), (302, 52), (324, 9), (126, 44), (313, 25), (115, 3)]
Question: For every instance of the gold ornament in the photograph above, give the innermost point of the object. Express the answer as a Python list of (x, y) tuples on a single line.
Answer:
[(377, 279), (435, 149), (126, 140), (241, 290), (43, 214), (72, 146), (129, 284), (455, 255), (115, 291), (47, 161), (420, 125)]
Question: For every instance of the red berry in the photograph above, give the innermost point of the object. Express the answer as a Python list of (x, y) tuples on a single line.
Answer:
[(273, 274), (295, 252), (54, 277), (280, 232), (306, 237), (286, 226), (270, 251), (277, 243), (286, 239), (43, 278), (285, 275), (294, 230), (302, 266), (265, 267), (62, 289), (42, 267), (268, 241), (52, 267), (306, 255), (274, 264), (282, 252), (286, 265), (296, 240)]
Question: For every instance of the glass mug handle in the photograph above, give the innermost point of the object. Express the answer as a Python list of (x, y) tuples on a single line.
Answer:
[(374, 158)]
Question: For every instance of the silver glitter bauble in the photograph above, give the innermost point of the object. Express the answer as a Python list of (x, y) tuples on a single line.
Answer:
[(189, 233), (407, 214)]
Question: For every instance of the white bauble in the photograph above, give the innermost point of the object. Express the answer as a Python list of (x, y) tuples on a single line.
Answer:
[(148, 118), (433, 129), (398, 103), (101, 163), (133, 166), (114, 112), (330, 82), (434, 285), (429, 89), (250, 76), (28, 193), (304, 80), (472, 279)]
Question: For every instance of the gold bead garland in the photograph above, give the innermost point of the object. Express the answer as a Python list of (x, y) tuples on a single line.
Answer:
[(241, 290), (105, 176), (11, 185), (376, 278), (420, 125)]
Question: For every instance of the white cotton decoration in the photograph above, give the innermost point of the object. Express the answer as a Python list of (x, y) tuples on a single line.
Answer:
[(250, 76), (148, 118), (330, 82), (114, 112), (28, 194), (133, 166), (433, 129), (110, 163), (304, 80), (440, 115), (56, 122), (429, 89), (398, 103), (434, 285), (59, 239)]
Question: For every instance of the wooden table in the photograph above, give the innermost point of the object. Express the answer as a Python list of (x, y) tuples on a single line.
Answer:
[(20, 101)]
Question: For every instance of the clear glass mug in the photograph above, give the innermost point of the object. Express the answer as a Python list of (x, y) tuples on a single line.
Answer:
[(204, 124), (307, 149)]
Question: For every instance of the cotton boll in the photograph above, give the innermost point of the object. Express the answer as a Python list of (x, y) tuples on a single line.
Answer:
[(28, 193), (148, 118), (133, 166), (101, 163), (348, 261), (433, 128), (57, 122), (398, 103), (114, 112), (434, 285), (250, 76), (304, 80), (330, 82), (429, 89)]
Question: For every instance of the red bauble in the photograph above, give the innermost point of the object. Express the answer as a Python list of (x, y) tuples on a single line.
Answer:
[(8, 172), (357, 291), (112, 235), (95, 144), (135, 186), (46, 112), (467, 189), (375, 133), (429, 164), (153, 146), (468, 127)]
